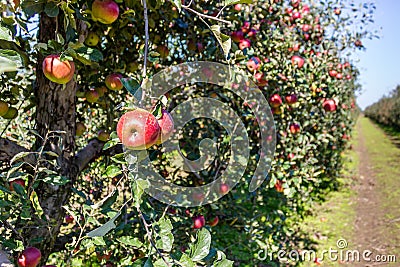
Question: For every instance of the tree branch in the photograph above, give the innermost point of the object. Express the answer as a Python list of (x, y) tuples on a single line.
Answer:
[(92, 151), (8, 149)]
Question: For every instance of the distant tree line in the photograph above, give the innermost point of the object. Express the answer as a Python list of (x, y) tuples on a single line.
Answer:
[(387, 110)]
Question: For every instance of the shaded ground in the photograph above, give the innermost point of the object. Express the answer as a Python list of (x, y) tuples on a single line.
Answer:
[(366, 212)]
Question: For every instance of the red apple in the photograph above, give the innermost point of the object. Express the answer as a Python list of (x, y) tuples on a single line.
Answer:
[(92, 96), (103, 136), (337, 11), (294, 128), (237, 36), (306, 27), (224, 189), (329, 105), (3, 108), (58, 71), (30, 257), (279, 186), (275, 100), (296, 15), (261, 81), (163, 51), (333, 73), (297, 60), (80, 128), (214, 221), (105, 11), (348, 77), (113, 82), (246, 27), (254, 64), (198, 222), (238, 7), (339, 76), (166, 127), (291, 99), (358, 43), (138, 129), (69, 218), (295, 3), (21, 182), (244, 43)]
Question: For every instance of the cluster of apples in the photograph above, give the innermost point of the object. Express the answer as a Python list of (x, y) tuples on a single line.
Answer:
[(339, 70), (30, 257), (112, 82), (139, 129), (245, 35), (6, 111), (276, 102)]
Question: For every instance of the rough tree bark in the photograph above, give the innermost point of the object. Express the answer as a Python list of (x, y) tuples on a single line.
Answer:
[(55, 111)]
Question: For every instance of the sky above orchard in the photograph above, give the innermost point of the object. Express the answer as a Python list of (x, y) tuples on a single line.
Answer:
[(380, 63)]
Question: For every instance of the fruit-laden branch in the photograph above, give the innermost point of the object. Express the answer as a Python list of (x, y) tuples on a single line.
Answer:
[(92, 151), (4, 261), (8, 149)]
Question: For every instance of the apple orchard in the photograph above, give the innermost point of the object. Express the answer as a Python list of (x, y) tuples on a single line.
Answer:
[(74, 74)]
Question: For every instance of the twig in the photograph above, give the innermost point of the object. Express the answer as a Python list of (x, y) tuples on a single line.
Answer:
[(206, 16), (9, 226), (146, 38)]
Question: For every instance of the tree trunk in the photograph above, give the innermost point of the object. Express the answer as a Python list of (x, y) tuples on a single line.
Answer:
[(55, 111)]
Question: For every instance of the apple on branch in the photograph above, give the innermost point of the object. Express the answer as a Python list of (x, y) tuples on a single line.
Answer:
[(58, 71)]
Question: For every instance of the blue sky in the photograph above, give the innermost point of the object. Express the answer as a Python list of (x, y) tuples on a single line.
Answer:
[(380, 63)]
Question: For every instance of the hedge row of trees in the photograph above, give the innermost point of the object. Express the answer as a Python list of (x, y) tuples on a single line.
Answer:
[(66, 189), (387, 110)]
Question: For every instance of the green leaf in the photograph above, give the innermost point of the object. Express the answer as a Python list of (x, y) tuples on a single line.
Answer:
[(88, 55), (32, 7), (201, 248), (224, 40), (107, 202), (160, 263), (98, 240), (221, 260), (234, 2), (55, 180), (51, 9), (130, 241), (148, 263), (10, 60), (138, 188), (132, 85), (112, 171), (164, 237), (35, 203), (105, 228), (5, 34), (186, 261)]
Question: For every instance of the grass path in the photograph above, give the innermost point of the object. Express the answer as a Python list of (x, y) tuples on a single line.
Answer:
[(366, 211)]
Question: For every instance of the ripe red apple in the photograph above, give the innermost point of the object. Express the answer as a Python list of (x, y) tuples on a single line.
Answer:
[(337, 11), (21, 182), (3, 108), (92, 39), (261, 81), (238, 7), (103, 136), (348, 77), (329, 105), (163, 51), (80, 128), (237, 36), (166, 127), (198, 222), (339, 76), (358, 43), (92, 96), (295, 3), (296, 15), (297, 60), (30, 257), (113, 82), (333, 73), (11, 113), (224, 189), (244, 43), (294, 128), (105, 11), (138, 129), (56, 70), (254, 64), (275, 100), (291, 99), (69, 218), (306, 27), (214, 221)]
